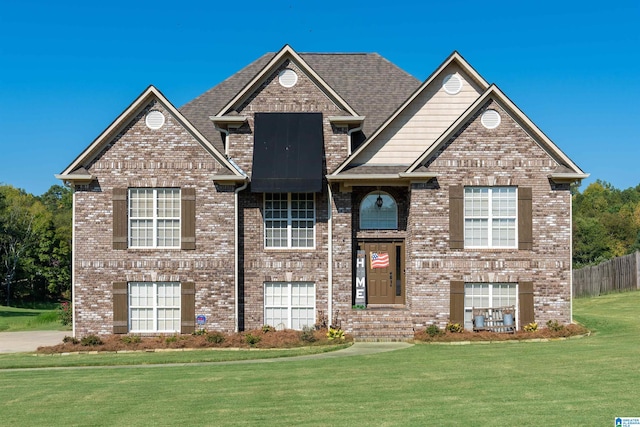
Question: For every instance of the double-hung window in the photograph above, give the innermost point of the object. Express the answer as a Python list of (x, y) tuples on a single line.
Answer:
[(289, 305), (154, 306), (487, 295), (154, 217), (289, 220), (490, 217)]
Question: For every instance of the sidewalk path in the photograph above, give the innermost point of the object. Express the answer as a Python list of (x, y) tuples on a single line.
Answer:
[(18, 342)]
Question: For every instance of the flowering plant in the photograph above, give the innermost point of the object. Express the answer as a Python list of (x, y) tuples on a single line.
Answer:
[(65, 313), (335, 334)]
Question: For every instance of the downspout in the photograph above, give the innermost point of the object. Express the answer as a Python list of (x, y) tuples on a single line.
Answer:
[(330, 256), (349, 132), (236, 256), (226, 138), (73, 262), (571, 257)]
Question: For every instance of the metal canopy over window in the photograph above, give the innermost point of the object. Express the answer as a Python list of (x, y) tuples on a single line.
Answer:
[(287, 153)]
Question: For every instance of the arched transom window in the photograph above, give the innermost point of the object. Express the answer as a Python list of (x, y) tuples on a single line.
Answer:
[(378, 211)]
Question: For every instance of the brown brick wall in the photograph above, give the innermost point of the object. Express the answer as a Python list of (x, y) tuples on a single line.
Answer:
[(140, 157), (506, 155)]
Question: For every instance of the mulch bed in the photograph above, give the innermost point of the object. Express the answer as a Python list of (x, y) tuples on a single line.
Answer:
[(544, 333), (248, 339)]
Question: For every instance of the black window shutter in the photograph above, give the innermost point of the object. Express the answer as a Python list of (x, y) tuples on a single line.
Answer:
[(120, 226), (120, 308), (456, 217), (188, 308)]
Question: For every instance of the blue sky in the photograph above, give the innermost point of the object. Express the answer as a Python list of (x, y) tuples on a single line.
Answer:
[(69, 68)]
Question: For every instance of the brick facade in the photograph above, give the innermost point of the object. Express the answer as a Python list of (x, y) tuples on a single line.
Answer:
[(173, 156)]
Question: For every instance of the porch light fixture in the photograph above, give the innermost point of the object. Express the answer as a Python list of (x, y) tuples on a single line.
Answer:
[(379, 201)]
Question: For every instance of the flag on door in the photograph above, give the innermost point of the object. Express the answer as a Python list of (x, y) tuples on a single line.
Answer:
[(379, 260)]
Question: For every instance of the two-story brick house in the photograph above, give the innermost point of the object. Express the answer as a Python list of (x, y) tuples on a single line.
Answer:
[(312, 188)]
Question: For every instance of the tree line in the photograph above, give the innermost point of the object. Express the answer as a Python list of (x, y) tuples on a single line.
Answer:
[(35, 245), (606, 223), (35, 237)]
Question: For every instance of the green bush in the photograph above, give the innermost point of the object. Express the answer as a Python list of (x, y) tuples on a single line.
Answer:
[(554, 325), (71, 340), (199, 332), (252, 339), (90, 340), (131, 339), (215, 337), (172, 338), (308, 334), (433, 330), (267, 328)]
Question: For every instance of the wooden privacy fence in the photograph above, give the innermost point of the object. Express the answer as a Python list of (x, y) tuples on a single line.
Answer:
[(616, 275)]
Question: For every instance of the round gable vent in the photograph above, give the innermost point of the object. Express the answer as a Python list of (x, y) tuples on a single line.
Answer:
[(288, 77), (490, 119), (452, 84), (154, 119)]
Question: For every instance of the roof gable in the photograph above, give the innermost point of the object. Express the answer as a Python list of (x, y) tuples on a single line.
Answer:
[(455, 59), (71, 172), (567, 170), (286, 53), (368, 83)]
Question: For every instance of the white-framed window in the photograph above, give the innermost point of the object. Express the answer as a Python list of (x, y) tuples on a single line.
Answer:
[(378, 211), (490, 217), (289, 220), (289, 305), (487, 295), (154, 306), (154, 217)]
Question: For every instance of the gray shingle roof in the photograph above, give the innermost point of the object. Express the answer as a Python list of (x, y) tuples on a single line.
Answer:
[(370, 84)]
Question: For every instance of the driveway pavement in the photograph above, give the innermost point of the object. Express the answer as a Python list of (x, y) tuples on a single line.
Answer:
[(18, 342)]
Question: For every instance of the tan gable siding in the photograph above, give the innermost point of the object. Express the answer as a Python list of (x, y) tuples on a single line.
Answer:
[(405, 139), (140, 157)]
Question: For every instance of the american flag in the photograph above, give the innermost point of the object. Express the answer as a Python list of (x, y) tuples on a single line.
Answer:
[(379, 260)]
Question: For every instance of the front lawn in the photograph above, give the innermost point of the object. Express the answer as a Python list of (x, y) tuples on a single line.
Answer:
[(13, 319), (577, 382)]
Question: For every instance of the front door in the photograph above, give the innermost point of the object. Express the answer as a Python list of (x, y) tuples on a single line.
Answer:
[(385, 272)]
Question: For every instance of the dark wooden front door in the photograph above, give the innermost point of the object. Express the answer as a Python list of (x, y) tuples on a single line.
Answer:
[(385, 272)]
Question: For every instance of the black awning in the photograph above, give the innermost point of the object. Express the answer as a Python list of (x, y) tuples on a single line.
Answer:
[(287, 153)]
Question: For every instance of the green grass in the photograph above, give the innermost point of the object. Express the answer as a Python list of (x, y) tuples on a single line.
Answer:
[(578, 382), (14, 319)]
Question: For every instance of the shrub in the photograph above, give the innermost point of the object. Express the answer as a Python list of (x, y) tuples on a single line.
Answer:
[(267, 328), (90, 340), (199, 332), (131, 339), (252, 339), (454, 327), (433, 330), (172, 338), (72, 340), (531, 327), (215, 337), (65, 313), (308, 334), (554, 326), (335, 334)]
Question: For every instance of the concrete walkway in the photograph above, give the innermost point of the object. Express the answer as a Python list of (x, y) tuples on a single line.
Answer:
[(18, 342)]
